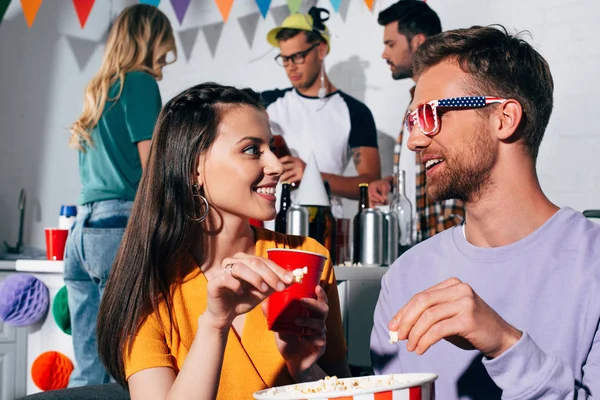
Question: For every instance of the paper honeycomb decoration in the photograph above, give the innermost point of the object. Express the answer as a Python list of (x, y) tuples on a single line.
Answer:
[(24, 300), (60, 311), (51, 371)]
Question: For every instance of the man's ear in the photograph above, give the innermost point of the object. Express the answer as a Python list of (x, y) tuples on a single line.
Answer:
[(508, 118), (322, 50), (416, 41)]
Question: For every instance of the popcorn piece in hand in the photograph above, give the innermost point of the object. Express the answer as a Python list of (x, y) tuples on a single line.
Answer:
[(393, 337), (299, 274)]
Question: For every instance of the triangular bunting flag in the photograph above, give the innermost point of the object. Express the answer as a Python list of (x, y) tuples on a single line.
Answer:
[(104, 38), (336, 5), (3, 6), (249, 23), (306, 5), (83, 50), (180, 7), (83, 8), (294, 5), (30, 9), (212, 33), (154, 3), (187, 38), (224, 8), (263, 6), (344, 6), (369, 4), (279, 14)]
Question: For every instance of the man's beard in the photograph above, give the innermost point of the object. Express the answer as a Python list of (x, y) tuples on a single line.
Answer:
[(399, 73), (466, 176), (309, 82)]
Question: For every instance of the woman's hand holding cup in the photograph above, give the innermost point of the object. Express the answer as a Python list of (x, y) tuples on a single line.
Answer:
[(244, 283)]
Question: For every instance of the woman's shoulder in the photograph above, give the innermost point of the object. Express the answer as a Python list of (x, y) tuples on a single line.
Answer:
[(140, 75), (139, 79)]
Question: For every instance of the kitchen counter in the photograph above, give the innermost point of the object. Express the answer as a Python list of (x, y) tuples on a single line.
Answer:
[(358, 289), (40, 266), (7, 265), (343, 273), (46, 266)]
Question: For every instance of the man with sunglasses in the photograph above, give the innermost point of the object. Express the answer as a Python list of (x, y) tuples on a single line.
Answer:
[(407, 23), (506, 304), (313, 116)]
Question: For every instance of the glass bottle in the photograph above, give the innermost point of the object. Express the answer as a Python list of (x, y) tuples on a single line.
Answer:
[(284, 205), (330, 228), (281, 147), (404, 209), (363, 203)]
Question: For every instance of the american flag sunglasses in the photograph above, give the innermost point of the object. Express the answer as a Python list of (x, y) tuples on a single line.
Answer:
[(426, 117)]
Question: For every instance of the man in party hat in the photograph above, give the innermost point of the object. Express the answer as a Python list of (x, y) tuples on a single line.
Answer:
[(313, 116)]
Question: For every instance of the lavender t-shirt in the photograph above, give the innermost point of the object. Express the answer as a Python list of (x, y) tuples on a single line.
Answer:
[(546, 285)]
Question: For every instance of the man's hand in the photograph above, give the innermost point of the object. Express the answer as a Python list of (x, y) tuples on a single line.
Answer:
[(293, 169), (378, 192), (452, 310)]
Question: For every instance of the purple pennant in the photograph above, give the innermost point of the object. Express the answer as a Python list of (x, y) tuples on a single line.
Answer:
[(263, 6), (336, 4), (180, 7)]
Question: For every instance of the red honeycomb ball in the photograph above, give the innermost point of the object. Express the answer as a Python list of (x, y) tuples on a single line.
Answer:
[(51, 371)]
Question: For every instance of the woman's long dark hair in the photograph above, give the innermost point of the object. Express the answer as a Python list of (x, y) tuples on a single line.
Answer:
[(159, 233)]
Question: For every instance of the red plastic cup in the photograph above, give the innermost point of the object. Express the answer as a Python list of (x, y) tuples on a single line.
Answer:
[(257, 223), (285, 306), (55, 243)]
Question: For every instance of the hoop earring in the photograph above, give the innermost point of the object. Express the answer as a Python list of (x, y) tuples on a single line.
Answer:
[(196, 193)]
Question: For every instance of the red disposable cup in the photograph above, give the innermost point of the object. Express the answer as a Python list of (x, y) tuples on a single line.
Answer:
[(257, 223), (285, 306), (55, 243)]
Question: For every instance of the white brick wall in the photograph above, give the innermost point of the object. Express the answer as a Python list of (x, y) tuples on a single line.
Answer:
[(41, 87)]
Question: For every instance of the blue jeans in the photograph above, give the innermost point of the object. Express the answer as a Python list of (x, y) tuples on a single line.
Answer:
[(90, 251)]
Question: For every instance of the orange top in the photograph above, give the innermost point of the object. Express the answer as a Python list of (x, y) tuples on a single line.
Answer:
[(252, 361)]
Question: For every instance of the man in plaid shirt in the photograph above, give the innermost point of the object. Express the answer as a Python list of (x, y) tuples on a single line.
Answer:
[(407, 24)]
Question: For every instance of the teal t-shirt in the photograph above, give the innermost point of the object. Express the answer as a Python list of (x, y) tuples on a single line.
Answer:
[(110, 169)]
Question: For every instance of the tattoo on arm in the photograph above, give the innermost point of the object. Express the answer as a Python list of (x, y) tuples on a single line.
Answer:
[(356, 156)]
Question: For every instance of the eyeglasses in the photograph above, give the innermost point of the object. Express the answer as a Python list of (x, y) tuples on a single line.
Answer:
[(426, 115), (296, 58)]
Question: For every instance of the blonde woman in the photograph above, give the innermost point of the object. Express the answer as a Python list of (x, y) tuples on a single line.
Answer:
[(113, 136)]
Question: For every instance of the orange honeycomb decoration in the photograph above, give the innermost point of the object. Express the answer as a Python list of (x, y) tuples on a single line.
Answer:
[(51, 371)]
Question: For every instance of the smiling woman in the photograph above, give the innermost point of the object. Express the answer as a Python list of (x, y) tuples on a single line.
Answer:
[(179, 314)]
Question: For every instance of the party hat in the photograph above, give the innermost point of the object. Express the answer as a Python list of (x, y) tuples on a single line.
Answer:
[(312, 190)]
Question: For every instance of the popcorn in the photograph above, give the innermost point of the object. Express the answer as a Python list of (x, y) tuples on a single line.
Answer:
[(332, 384), (393, 337), (299, 274)]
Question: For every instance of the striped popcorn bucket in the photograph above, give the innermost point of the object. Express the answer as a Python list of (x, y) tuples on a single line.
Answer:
[(419, 386)]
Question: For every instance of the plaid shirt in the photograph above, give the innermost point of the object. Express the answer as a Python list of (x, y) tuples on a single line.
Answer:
[(432, 217)]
